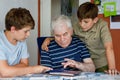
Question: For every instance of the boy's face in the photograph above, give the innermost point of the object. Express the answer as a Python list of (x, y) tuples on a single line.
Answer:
[(22, 34), (87, 23), (63, 35)]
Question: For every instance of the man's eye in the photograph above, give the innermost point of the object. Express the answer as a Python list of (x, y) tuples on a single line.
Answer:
[(86, 21), (65, 34), (25, 31), (57, 35)]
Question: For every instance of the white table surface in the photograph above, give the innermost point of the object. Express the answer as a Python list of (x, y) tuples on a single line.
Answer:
[(81, 76)]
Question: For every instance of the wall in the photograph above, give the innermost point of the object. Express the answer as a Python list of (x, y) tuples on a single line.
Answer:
[(45, 16), (82, 1), (32, 5), (116, 45), (48, 10), (55, 8)]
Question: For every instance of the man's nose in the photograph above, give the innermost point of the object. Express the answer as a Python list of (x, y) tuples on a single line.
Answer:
[(62, 38)]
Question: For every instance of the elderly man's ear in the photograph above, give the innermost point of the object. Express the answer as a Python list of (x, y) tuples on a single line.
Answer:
[(71, 31)]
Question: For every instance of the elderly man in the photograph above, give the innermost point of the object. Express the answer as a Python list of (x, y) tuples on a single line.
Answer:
[(65, 51)]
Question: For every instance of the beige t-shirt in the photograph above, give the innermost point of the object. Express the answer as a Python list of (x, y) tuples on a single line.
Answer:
[(95, 39)]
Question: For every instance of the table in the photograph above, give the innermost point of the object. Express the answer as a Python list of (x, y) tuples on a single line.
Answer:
[(81, 76)]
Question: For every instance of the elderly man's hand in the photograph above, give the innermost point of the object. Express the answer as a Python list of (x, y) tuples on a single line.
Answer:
[(70, 63)]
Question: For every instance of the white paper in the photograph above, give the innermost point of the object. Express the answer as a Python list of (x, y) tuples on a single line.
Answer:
[(115, 24)]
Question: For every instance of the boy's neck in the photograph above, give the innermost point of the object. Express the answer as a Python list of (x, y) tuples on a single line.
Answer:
[(10, 37)]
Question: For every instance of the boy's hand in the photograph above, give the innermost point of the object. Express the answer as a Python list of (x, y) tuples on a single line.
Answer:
[(41, 69), (45, 44), (112, 72)]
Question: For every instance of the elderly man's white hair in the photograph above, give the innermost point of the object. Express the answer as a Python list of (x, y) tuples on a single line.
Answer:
[(59, 21)]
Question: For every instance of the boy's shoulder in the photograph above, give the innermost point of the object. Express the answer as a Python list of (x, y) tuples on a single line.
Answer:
[(102, 21), (2, 34)]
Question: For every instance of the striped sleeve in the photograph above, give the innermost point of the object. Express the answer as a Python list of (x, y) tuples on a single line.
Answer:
[(83, 49), (85, 52), (45, 59)]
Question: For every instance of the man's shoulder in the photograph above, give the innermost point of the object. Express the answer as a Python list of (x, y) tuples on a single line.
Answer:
[(53, 44), (77, 40)]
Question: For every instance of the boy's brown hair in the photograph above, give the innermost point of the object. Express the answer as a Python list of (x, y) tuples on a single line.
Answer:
[(87, 10), (19, 18)]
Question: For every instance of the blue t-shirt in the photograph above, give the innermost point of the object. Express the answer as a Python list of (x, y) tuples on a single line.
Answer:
[(55, 56), (12, 53)]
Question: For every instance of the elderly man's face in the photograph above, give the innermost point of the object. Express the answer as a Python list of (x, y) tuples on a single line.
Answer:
[(63, 35)]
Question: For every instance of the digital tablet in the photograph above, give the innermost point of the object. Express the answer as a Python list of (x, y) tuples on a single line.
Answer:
[(63, 72)]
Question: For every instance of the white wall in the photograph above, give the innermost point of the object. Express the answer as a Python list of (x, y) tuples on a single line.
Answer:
[(55, 8), (49, 10), (82, 1), (32, 5), (45, 27)]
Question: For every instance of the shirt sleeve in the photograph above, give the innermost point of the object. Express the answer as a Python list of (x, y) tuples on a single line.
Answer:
[(2, 55), (25, 53), (45, 59), (84, 51), (105, 34)]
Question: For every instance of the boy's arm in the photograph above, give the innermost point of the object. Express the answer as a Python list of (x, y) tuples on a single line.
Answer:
[(107, 39), (23, 63), (110, 58), (12, 71)]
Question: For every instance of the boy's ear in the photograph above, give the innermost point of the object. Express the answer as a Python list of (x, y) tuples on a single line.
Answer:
[(12, 29), (96, 19)]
